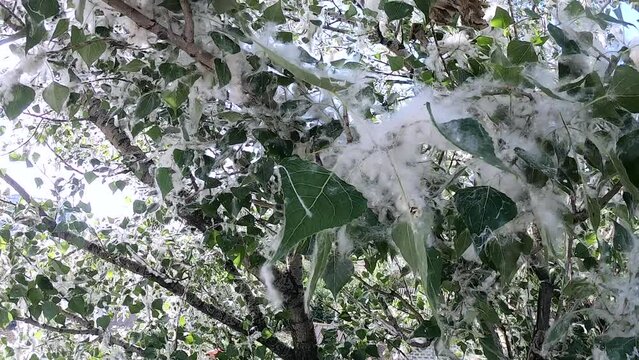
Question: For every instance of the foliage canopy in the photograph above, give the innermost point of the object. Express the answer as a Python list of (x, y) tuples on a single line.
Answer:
[(319, 179)]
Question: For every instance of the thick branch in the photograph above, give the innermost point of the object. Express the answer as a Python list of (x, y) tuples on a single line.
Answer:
[(542, 323), (188, 21), (203, 57)]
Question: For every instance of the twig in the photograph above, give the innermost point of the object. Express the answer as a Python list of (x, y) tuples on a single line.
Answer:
[(35, 131), (583, 214), (59, 157), (12, 13), (394, 294), (439, 52), (512, 13)]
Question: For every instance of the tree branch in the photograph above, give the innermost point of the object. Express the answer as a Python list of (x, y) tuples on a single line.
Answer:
[(187, 34), (58, 329), (203, 57), (114, 340), (176, 288)]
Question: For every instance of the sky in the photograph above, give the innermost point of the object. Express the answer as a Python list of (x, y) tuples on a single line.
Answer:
[(103, 201)]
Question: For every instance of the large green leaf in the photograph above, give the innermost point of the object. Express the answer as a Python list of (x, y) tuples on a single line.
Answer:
[(424, 7), (147, 103), (520, 52), (92, 51), (274, 13), (315, 199), (323, 244), (223, 72), (41, 9), (482, 208), (225, 43), (176, 97), (468, 135), (339, 271), (624, 88), (502, 255), (19, 98), (164, 180), (621, 348), (55, 95), (628, 152), (35, 34), (396, 10), (411, 238), (502, 19), (568, 46)]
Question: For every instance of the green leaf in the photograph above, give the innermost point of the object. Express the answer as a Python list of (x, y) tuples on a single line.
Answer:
[(103, 321), (134, 65), (482, 207), (55, 95), (50, 310), (502, 19), (568, 46), (502, 256), (315, 199), (624, 88), (411, 238), (176, 97), (171, 71), (322, 249), (35, 34), (462, 241), (621, 348), (35, 295), (628, 152), (164, 180), (428, 329), (396, 10), (148, 102), (92, 51), (78, 305), (44, 283), (623, 239), (468, 135), (223, 6), (139, 206), (396, 62), (223, 72), (171, 5), (41, 9), (593, 156), (424, 7), (520, 52), (90, 176), (17, 100), (352, 11), (61, 28), (225, 43), (274, 13), (339, 271)]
